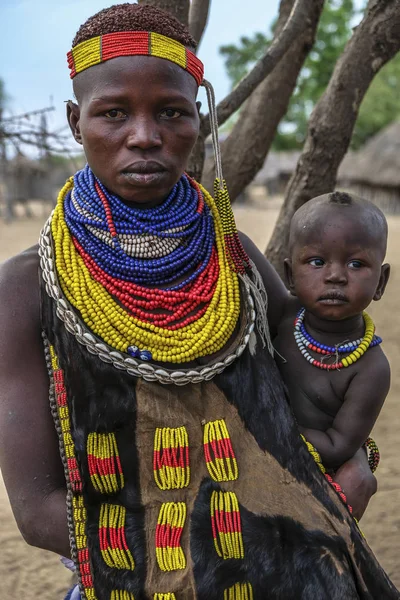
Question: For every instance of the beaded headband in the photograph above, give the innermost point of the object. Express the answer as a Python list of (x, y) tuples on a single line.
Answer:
[(133, 43)]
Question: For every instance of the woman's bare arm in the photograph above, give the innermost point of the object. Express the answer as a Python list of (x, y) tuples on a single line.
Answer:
[(278, 295), (29, 453)]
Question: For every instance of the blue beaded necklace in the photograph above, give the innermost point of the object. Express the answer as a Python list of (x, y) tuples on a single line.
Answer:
[(184, 233), (307, 341)]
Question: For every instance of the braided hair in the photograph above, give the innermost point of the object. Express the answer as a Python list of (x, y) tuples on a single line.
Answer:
[(134, 17)]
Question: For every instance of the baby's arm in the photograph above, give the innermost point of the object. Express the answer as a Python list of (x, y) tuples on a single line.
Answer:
[(355, 419)]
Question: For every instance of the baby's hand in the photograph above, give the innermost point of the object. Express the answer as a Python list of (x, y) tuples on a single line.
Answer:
[(358, 482)]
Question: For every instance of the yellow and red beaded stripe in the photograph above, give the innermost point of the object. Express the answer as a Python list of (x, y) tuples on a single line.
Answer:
[(63, 415), (218, 452), (113, 546), (121, 595), (226, 525), (239, 591), (171, 458), (133, 43), (170, 523), (168, 596), (104, 464), (80, 515)]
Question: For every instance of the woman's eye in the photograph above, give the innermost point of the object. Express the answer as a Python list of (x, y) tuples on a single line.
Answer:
[(115, 113), (170, 113), (316, 262), (355, 264)]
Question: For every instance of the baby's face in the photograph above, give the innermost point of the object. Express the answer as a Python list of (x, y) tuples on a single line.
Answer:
[(336, 266)]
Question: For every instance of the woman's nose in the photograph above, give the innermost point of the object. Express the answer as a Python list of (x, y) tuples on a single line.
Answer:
[(144, 134)]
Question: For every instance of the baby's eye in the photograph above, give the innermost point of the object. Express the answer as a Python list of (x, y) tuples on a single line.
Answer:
[(115, 113), (316, 262), (170, 113), (355, 264)]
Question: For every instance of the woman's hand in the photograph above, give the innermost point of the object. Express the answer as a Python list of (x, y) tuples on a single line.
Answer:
[(358, 482)]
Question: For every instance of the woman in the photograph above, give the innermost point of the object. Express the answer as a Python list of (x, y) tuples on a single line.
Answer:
[(185, 473)]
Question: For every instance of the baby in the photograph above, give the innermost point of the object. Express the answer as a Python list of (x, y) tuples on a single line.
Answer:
[(335, 371)]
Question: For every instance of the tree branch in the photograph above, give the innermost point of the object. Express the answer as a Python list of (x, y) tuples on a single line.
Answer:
[(198, 17), (177, 8), (295, 25), (374, 42), (245, 150)]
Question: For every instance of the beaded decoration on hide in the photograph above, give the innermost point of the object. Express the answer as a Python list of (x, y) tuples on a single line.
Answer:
[(170, 523), (134, 304), (104, 464), (113, 546), (239, 591), (226, 525), (80, 516), (63, 415), (121, 595), (171, 458), (168, 596), (218, 452)]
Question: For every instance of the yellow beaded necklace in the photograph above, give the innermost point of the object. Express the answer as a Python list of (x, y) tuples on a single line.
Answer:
[(119, 329)]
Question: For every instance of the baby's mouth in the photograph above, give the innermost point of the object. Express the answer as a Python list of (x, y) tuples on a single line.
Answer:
[(334, 297)]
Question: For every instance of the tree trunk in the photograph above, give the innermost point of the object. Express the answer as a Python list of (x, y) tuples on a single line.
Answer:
[(198, 17), (245, 150), (374, 42), (178, 8), (291, 27)]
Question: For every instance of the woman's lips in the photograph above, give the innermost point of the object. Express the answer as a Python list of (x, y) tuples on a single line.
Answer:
[(144, 172), (143, 178)]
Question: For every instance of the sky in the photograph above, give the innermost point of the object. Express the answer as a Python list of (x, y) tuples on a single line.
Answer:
[(37, 34)]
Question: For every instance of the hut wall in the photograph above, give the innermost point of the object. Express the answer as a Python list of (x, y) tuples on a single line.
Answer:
[(385, 198)]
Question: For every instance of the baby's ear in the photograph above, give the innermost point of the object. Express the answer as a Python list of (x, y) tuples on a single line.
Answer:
[(287, 265), (383, 279)]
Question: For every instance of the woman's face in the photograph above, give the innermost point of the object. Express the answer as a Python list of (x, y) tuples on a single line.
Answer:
[(138, 121)]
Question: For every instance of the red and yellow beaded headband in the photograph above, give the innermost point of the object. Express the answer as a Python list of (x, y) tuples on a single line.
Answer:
[(133, 43)]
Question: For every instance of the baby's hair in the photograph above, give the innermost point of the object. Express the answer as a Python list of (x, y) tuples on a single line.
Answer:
[(340, 198), (134, 17)]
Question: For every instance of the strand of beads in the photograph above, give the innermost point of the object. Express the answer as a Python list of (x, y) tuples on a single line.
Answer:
[(169, 309), (153, 246), (312, 344), (113, 320), (303, 344)]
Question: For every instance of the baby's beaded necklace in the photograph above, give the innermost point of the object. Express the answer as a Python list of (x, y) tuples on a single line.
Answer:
[(354, 349)]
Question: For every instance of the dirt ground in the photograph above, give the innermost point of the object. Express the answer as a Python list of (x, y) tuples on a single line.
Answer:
[(28, 573)]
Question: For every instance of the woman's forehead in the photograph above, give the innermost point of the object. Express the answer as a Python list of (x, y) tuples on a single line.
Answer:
[(126, 73)]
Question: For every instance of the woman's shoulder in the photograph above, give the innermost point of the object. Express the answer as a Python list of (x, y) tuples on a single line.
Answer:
[(19, 287)]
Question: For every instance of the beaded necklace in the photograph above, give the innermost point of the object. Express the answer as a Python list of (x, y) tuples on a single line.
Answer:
[(354, 349), (170, 302)]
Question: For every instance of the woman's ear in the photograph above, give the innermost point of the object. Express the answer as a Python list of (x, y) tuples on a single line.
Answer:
[(287, 265), (198, 104), (383, 279), (73, 117)]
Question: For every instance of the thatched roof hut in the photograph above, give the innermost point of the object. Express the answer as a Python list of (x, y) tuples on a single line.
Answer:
[(276, 171), (374, 171)]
